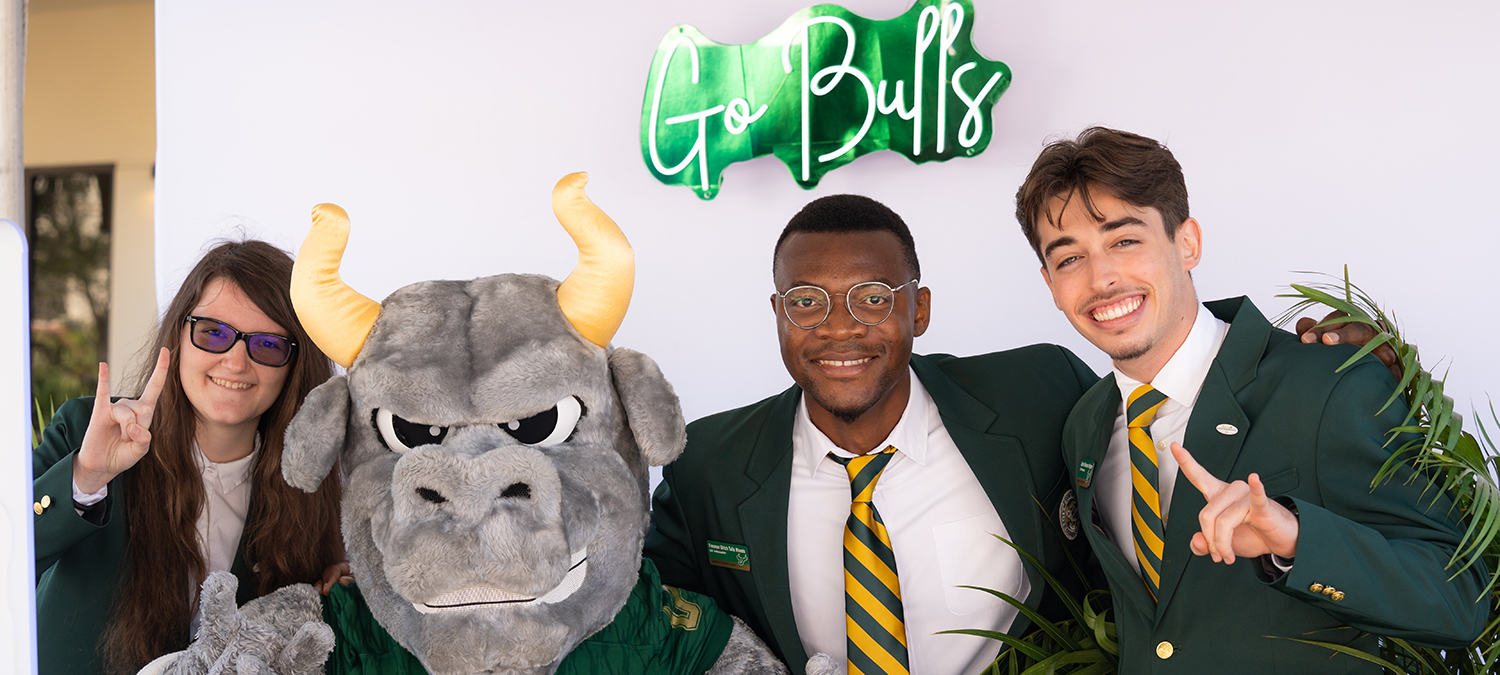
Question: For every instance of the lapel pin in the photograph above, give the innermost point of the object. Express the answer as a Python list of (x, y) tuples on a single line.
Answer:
[(1227, 429), (1067, 515)]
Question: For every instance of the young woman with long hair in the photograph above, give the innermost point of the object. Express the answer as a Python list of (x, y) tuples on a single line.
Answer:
[(144, 497)]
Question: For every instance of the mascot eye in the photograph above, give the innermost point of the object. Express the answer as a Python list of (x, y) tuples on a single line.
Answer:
[(400, 435), (549, 427)]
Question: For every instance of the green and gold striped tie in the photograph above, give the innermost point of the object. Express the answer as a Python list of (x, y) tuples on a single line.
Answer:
[(1145, 501), (872, 596)]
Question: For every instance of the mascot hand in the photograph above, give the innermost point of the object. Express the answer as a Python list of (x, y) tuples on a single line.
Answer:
[(281, 634), (823, 664), (745, 654)]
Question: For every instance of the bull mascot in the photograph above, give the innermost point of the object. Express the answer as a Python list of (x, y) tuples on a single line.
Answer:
[(495, 452)]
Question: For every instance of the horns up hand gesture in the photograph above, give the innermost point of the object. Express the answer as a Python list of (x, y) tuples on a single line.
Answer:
[(1239, 519), (118, 435)]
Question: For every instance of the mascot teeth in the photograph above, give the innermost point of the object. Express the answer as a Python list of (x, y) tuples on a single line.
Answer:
[(481, 596)]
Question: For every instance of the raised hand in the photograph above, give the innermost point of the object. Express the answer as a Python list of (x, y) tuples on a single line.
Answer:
[(1239, 519), (119, 433)]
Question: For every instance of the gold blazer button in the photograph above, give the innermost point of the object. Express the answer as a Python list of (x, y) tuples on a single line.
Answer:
[(46, 501), (38, 508), (1337, 596), (1316, 588), (1164, 649)]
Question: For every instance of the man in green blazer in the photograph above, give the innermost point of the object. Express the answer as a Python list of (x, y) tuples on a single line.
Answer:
[(1270, 529), (747, 517)]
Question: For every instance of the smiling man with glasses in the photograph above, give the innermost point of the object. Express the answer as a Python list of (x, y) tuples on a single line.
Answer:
[(841, 516)]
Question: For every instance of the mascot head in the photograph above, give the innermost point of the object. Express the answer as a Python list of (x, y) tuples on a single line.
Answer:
[(495, 447)]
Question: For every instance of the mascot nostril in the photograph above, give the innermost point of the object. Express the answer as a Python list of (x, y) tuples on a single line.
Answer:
[(516, 491), (476, 392)]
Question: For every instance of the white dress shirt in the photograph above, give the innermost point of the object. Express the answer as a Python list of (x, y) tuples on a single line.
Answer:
[(1181, 380), (940, 522), (226, 490)]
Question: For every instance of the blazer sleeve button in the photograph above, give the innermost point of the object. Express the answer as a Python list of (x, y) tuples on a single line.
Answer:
[(1337, 596), (1316, 587)]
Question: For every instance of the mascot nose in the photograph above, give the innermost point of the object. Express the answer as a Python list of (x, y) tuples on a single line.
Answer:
[(507, 482)]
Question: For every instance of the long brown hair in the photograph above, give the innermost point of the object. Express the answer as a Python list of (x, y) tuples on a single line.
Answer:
[(289, 536)]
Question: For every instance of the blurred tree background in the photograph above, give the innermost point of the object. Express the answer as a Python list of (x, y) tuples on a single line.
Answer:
[(69, 235)]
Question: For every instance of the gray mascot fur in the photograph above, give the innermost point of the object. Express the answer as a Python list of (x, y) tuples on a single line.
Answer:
[(495, 452)]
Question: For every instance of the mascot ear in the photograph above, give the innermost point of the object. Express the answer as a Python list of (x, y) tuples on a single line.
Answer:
[(316, 435), (651, 407)]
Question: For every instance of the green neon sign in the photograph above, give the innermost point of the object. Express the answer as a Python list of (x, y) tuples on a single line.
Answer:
[(824, 88)]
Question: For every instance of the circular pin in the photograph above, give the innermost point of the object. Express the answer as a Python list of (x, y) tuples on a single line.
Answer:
[(1067, 515), (37, 507), (1164, 649), (46, 501), (1227, 429)]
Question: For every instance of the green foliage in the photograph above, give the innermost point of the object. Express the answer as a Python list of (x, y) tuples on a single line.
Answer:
[(41, 421), (1451, 459), (1085, 644), (64, 363)]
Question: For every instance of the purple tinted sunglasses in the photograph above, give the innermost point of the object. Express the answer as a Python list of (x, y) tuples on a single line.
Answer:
[(216, 337)]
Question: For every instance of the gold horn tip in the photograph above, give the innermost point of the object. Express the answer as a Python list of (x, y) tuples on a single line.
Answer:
[(329, 214)]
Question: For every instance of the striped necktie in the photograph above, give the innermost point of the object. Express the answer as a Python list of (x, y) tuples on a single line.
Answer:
[(874, 621), (1145, 502)]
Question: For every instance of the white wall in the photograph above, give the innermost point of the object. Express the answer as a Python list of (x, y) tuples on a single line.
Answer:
[(1312, 134)]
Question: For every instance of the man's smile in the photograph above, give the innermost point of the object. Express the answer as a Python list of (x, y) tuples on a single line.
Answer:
[(1117, 309), (843, 363)]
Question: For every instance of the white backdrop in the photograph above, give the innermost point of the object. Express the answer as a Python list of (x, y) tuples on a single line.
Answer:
[(1312, 134)]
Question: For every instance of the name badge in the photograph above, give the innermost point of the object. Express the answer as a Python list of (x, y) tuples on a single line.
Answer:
[(733, 556), (1085, 473)]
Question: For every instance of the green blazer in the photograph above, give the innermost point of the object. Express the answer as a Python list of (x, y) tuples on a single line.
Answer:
[(1313, 436), (1005, 412), (79, 564)]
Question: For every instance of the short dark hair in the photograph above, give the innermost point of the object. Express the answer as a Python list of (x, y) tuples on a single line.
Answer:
[(840, 214), (1133, 168)]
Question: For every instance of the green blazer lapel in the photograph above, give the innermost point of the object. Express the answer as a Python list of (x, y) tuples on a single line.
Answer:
[(1111, 556), (997, 459), (763, 517), (1216, 450), (1090, 456)]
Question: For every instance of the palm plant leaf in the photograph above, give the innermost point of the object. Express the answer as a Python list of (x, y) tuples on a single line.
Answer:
[(1437, 448)]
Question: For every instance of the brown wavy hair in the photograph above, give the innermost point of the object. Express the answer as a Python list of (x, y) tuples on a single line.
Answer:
[(1128, 166), (289, 537)]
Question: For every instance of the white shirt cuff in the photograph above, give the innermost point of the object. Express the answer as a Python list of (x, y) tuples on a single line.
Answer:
[(86, 499), (1283, 564)]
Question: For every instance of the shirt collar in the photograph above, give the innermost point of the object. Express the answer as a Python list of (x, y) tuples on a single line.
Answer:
[(1182, 378), (231, 474), (909, 436)]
